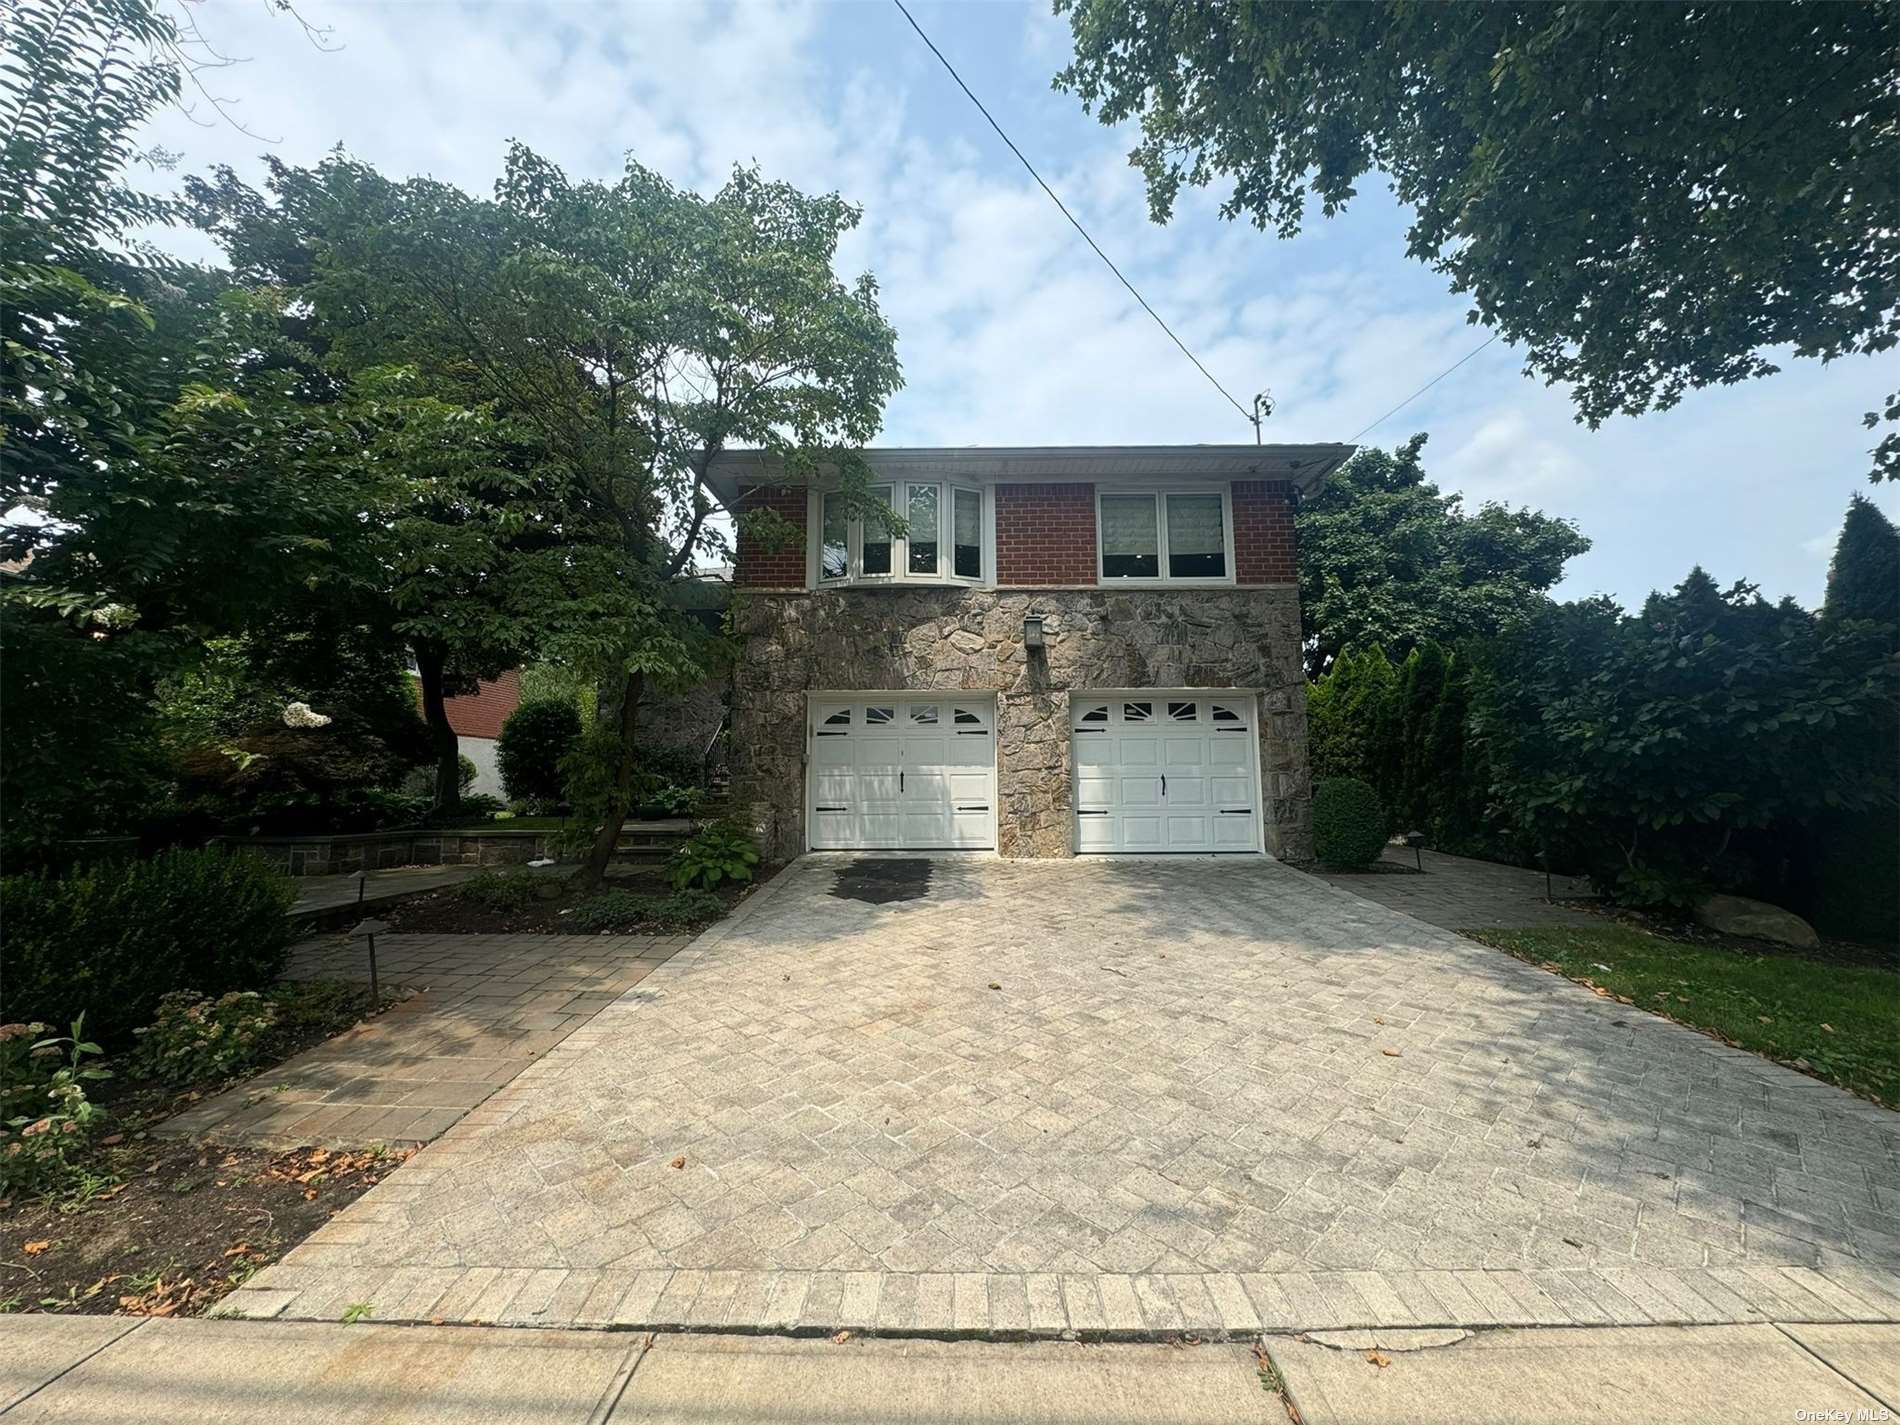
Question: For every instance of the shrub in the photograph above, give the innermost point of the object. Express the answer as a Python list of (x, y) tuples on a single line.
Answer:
[(497, 891), (537, 735), (113, 939), (1349, 826), (668, 799), (719, 852), (622, 910), (40, 1147), (195, 1037)]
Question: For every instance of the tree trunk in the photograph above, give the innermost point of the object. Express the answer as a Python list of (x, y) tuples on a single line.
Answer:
[(624, 719), (430, 662)]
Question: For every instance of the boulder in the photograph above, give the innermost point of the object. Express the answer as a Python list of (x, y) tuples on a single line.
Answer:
[(1738, 915)]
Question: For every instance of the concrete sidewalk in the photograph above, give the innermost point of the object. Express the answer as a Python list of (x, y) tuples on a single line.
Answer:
[(112, 1371)]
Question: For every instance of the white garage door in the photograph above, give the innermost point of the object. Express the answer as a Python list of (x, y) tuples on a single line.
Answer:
[(903, 774), (1165, 772)]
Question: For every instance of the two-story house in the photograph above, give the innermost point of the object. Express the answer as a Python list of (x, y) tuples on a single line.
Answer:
[(1069, 650)]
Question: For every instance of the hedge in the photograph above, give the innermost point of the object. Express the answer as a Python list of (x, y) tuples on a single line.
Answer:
[(1349, 824), (111, 940)]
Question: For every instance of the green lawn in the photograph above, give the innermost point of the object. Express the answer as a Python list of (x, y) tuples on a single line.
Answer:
[(1840, 1023)]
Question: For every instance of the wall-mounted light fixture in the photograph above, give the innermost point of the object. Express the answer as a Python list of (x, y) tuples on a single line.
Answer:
[(1032, 631)]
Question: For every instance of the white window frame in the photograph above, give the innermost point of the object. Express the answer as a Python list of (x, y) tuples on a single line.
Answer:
[(1162, 577), (900, 489)]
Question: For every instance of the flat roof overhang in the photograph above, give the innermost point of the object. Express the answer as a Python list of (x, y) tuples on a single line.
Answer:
[(1303, 466)]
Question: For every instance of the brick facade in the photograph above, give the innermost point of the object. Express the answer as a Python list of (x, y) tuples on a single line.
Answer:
[(1264, 549), (758, 568), (1045, 534)]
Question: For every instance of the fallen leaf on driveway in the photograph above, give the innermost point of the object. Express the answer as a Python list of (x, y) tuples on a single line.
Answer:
[(1379, 1359), (678, 1162), (1828, 1027), (1391, 1053), (33, 1249), (994, 985), (841, 1338)]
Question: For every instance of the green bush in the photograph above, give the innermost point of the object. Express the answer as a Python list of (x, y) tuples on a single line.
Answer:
[(1349, 825), (719, 852), (195, 1037), (537, 735), (624, 911), (112, 940), (51, 1122), (498, 891)]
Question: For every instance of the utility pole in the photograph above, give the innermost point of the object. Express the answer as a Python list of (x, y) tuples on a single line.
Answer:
[(1262, 408)]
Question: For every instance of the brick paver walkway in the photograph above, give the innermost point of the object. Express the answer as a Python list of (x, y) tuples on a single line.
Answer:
[(1459, 893), (490, 1005), (1121, 1097)]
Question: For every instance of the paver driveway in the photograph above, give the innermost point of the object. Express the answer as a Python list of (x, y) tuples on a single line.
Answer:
[(1121, 1096)]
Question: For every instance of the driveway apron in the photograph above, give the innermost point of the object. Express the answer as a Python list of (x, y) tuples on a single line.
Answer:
[(1119, 1098)]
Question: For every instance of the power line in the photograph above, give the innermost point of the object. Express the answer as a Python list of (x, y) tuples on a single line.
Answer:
[(1252, 418), (1426, 387)]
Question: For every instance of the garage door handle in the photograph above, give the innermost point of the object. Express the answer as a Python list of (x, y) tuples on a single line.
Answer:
[(1164, 786), (900, 781)]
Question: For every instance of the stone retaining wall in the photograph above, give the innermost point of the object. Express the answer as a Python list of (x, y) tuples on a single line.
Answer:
[(375, 850), (946, 640)]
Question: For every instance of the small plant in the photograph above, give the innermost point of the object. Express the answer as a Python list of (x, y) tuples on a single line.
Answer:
[(717, 853), (669, 798), (357, 1311), (623, 910), (41, 1150), (1349, 826), (497, 891), (196, 1037)]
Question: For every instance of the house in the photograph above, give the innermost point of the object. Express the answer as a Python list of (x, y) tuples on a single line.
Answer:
[(1090, 649), (477, 718)]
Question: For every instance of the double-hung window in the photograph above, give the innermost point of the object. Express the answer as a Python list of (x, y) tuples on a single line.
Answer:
[(1177, 536), (943, 538)]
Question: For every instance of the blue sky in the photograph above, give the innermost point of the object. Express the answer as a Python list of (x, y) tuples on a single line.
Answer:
[(1010, 331)]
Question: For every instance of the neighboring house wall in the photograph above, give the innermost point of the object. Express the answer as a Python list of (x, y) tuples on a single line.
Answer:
[(477, 718), (481, 751), (940, 639)]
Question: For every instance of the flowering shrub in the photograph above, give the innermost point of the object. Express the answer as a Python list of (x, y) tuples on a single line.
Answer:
[(40, 1147), (196, 1037)]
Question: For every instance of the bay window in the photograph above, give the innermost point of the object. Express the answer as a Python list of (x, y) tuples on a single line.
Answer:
[(1176, 536), (943, 540)]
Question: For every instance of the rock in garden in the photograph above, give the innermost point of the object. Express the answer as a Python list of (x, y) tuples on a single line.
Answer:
[(1738, 915)]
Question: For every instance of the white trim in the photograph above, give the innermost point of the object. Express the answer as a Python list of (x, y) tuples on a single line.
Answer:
[(900, 487), (1163, 580)]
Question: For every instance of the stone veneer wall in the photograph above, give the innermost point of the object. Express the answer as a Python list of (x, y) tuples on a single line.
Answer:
[(946, 640), (377, 850)]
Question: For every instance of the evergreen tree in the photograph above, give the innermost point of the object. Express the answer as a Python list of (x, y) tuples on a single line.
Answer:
[(1421, 685), (1449, 794), (1864, 579), (1346, 715)]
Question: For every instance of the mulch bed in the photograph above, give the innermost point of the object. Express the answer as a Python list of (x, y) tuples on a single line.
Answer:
[(445, 912), (157, 1227), (184, 1224)]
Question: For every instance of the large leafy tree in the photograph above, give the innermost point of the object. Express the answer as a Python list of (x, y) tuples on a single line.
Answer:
[(1649, 197), (1387, 559), (1681, 747), (636, 330)]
